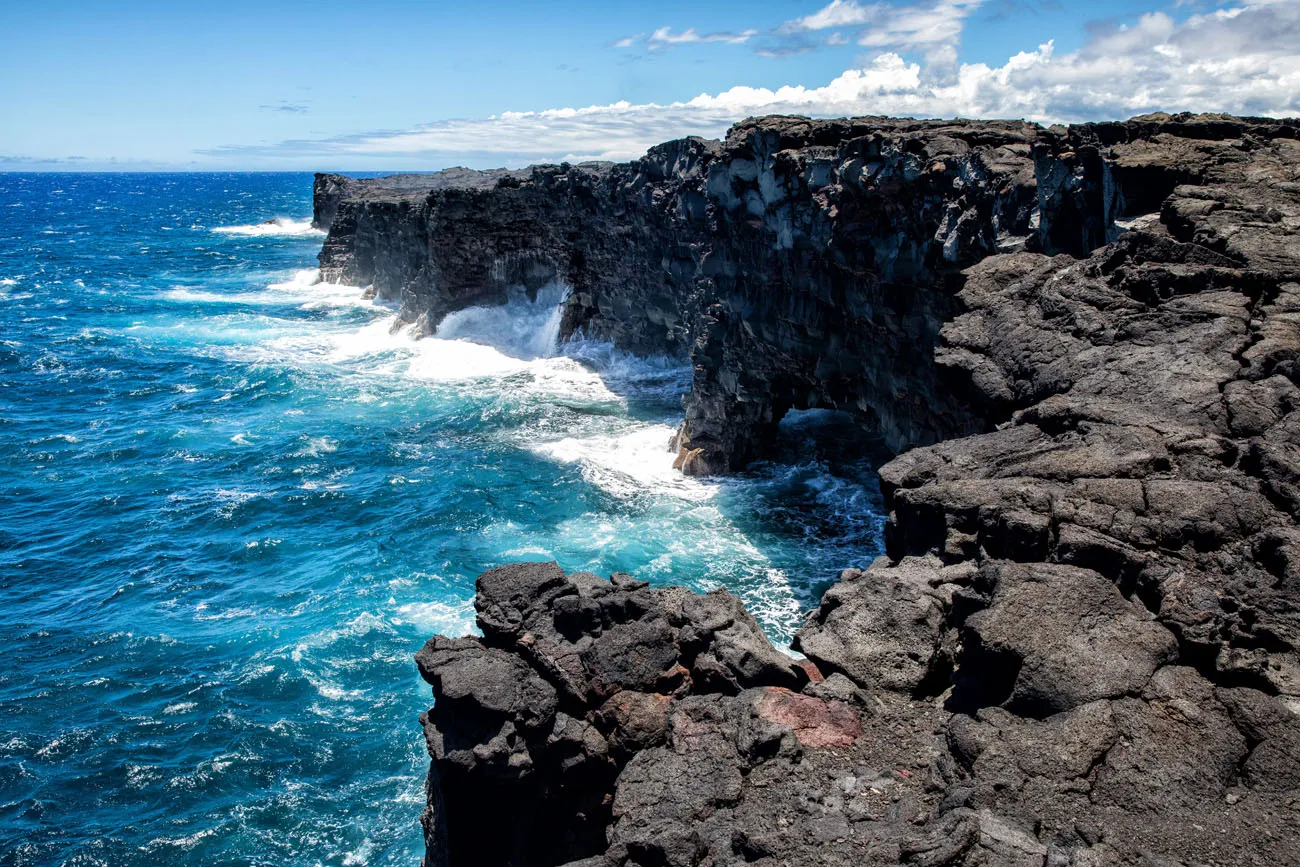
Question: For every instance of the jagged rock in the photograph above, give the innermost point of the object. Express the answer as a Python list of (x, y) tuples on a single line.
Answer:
[(1272, 732), (574, 676), (1057, 637), (1180, 747), (494, 696), (595, 638), (764, 257), (884, 628)]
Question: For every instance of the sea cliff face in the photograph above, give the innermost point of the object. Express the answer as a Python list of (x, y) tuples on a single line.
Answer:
[(1082, 647), (800, 264)]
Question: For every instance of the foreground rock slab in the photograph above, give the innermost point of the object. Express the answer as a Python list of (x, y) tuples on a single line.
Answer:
[(655, 726)]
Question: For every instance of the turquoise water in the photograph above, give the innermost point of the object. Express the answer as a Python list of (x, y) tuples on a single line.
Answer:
[(234, 504)]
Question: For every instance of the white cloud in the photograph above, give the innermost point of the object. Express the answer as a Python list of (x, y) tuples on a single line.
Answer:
[(933, 28), (1242, 60), (840, 13), (664, 37)]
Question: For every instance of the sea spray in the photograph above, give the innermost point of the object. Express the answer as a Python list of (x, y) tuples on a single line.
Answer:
[(523, 327)]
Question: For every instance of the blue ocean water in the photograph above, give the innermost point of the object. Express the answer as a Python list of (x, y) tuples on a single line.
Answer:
[(234, 503)]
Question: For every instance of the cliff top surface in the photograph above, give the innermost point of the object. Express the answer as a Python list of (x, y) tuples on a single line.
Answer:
[(412, 187), (418, 184), (795, 131)]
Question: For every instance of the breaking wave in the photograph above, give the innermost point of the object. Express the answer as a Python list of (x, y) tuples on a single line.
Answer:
[(276, 226)]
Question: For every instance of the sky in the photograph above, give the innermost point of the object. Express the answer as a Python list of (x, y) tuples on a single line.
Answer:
[(391, 85)]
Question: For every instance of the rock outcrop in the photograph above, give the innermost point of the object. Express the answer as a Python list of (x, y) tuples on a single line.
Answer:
[(1083, 644), (575, 682)]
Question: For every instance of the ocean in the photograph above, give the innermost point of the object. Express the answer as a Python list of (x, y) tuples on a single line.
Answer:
[(235, 502)]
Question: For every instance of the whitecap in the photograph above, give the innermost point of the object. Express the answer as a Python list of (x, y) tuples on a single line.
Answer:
[(567, 381), (302, 279), (231, 500), (317, 446), (309, 287), (224, 613), (334, 692), (438, 360), (199, 296), (61, 437), (382, 348), (281, 226), (305, 290), (360, 856), (186, 842)]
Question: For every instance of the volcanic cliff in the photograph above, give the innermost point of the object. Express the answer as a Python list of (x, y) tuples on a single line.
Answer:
[(1081, 648)]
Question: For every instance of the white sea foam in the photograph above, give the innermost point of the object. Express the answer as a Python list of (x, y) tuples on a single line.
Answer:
[(186, 842), (317, 656), (439, 618), (231, 500), (570, 383), (198, 296), (280, 226), (305, 289), (431, 359), (359, 856), (629, 464), (675, 540)]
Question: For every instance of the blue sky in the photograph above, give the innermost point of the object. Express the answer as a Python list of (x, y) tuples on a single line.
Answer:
[(397, 84)]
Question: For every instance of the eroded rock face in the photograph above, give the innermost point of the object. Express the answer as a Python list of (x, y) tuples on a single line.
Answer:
[(800, 264), (1083, 645)]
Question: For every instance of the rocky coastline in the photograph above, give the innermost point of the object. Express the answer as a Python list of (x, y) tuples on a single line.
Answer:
[(1079, 344)]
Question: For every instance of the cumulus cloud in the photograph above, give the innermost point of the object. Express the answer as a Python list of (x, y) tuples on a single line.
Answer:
[(1240, 59), (932, 28)]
